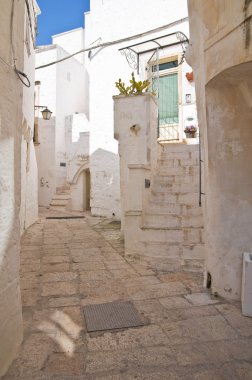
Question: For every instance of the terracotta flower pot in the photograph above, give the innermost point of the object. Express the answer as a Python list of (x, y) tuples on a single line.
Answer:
[(190, 76)]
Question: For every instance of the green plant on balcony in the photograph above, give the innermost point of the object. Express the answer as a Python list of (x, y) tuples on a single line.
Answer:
[(135, 88)]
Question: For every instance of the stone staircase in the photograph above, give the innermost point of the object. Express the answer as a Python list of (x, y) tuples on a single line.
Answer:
[(172, 223), (60, 200)]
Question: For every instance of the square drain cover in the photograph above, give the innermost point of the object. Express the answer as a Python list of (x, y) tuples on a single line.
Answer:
[(110, 316)]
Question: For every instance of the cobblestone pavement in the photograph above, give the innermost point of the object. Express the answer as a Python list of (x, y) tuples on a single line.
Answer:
[(66, 264)]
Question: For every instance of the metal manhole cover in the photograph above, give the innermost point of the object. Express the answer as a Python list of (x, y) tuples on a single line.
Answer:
[(110, 316)]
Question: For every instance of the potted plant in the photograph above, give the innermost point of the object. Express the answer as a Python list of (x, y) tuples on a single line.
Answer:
[(190, 131)]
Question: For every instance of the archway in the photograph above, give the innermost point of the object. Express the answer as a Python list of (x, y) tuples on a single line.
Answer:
[(229, 181)]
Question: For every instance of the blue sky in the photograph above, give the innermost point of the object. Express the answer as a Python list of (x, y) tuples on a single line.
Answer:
[(58, 16)]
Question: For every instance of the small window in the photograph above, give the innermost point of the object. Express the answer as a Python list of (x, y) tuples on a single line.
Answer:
[(165, 66)]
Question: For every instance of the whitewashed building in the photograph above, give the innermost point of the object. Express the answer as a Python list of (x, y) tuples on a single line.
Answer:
[(110, 21), (91, 94), (62, 143), (122, 37), (153, 183)]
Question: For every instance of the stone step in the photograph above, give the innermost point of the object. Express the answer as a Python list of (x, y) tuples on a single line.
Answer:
[(193, 252), (162, 220), (187, 235), (59, 202), (58, 208), (193, 265), (173, 209), (168, 179), (173, 204), (168, 208), (178, 198), (162, 170), (179, 147), (170, 164), (63, 188), (191, 210), (163, 198), (176, 264), (178, 171), (176, 162), (175, 188), (61, 196), (172, 251)]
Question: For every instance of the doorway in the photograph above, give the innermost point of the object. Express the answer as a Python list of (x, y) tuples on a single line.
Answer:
[(86, 186), (80, 192)]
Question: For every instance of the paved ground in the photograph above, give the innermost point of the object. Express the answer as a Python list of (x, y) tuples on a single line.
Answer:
[(66, 264)]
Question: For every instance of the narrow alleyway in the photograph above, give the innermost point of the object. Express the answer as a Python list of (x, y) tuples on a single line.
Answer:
[(69, 263)]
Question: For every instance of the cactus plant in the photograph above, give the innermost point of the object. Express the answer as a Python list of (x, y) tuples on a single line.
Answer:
[(135, 88)]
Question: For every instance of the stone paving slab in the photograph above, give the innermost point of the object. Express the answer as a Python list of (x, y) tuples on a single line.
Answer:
[(66, 264)]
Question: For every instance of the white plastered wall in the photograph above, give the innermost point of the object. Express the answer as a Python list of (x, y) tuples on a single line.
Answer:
[(18, 169), (77, 145), (11, 328), (71, 41), (45, 150), (29, 170), (222, 59), (45, 153)]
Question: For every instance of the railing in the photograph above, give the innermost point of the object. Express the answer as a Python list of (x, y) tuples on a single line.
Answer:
[(168, 132)]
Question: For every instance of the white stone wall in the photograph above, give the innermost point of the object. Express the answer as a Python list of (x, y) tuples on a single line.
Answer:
[(108, 21), (29, 171), (31, 206), (221, 55), (29, 184), (16, 111), (70, 87), (77, 146), (45, 153), (71, 41), (46, 92)]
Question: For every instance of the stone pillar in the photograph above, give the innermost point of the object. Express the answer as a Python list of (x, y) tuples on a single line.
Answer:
[(135, 127)]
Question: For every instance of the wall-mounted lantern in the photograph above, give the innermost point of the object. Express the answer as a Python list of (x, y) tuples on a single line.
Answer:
[(46, 113)]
